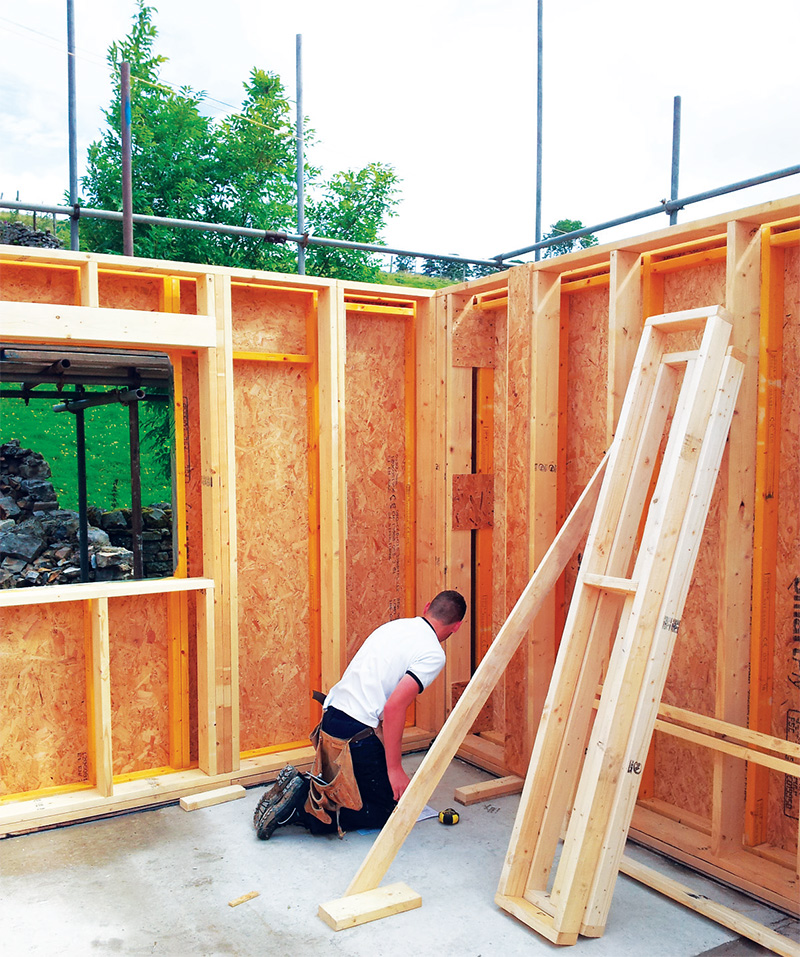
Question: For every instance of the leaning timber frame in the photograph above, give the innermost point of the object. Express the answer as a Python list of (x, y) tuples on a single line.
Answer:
[(423, 440)]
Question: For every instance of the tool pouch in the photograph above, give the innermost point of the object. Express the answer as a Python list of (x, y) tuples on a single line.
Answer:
[(332, 781)]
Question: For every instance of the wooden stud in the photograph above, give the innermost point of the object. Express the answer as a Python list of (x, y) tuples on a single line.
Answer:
[(432, 494), (737, 480), (333, 496), (89, 295), (458, 553), (314, 511), (517, 484), (98, 703)]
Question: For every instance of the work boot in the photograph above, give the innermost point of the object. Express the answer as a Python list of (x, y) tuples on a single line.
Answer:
[(279, 805)]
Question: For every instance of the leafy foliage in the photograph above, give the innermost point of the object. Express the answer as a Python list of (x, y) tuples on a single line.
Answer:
[(454, 271), (239, 171), (568, 245)]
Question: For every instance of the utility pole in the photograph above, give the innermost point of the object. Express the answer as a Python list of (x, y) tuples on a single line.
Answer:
[(676, 156), (301, 213), (539, 129)]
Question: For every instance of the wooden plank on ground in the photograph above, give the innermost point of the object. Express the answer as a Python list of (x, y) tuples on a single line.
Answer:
[(212, 798), (484, 790), (369, 905), (241, 900), (719, 913)]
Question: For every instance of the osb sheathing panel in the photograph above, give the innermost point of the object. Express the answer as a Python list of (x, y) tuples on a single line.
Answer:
[(584, 432), (188, 290), (784, 795), (695, 287), (375, 456), (138, 648), (20, 283), (684, 775), (272, 488), (269, 320), (43, 722), (125, 291)]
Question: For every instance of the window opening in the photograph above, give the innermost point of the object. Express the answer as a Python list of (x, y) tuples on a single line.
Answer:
[(119, 446)]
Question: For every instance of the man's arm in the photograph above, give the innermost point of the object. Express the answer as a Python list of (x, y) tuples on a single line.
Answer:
[(394, 720)]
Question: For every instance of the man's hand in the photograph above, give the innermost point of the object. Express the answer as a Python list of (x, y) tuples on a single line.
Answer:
[(399, 781)]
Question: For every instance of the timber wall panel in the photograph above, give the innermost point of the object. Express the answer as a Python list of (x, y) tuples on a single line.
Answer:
[(43, 721), (376, 460)]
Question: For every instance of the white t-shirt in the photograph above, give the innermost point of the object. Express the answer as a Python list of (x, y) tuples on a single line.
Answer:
[(406, 645)]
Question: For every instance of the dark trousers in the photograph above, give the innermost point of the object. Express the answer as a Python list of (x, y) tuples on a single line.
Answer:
[(369, 767)]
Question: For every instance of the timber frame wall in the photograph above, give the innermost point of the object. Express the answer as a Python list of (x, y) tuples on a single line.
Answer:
[(343, 451)]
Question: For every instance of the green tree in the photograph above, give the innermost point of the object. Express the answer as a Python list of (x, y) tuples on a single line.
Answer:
[(237, 171), (568, 245), (405, 263)]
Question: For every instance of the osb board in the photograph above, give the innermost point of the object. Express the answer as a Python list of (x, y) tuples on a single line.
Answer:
[(691, 680), (485, 720), (128, 291), (784, 794), (586, 314), (138, 645), (695, 287), (43, 721), (473, 501), (188, 288), (272, 489), (269, 320), (376, 460), (474, 338), (683, 774), (21, 283)]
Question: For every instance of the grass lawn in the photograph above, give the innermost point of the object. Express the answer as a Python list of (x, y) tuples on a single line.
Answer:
[(107, 449)]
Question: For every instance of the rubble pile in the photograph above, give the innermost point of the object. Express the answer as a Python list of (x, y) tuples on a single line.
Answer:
[(39, 541)]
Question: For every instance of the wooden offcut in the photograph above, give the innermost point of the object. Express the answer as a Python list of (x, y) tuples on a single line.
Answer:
[(212, 798), (370, 905), (486, 790)]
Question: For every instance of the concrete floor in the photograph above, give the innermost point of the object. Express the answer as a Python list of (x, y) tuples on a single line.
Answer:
[(159, 882)]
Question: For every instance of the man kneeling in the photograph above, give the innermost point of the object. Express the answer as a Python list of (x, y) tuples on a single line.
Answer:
[(357, 777)]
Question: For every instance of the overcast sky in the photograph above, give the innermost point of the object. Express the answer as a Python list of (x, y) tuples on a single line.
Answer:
[(445, 91)]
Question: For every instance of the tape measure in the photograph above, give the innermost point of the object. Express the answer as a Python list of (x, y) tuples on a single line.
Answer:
[(448, 816)]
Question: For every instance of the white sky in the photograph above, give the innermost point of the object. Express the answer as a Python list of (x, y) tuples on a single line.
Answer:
[(445, 90)]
